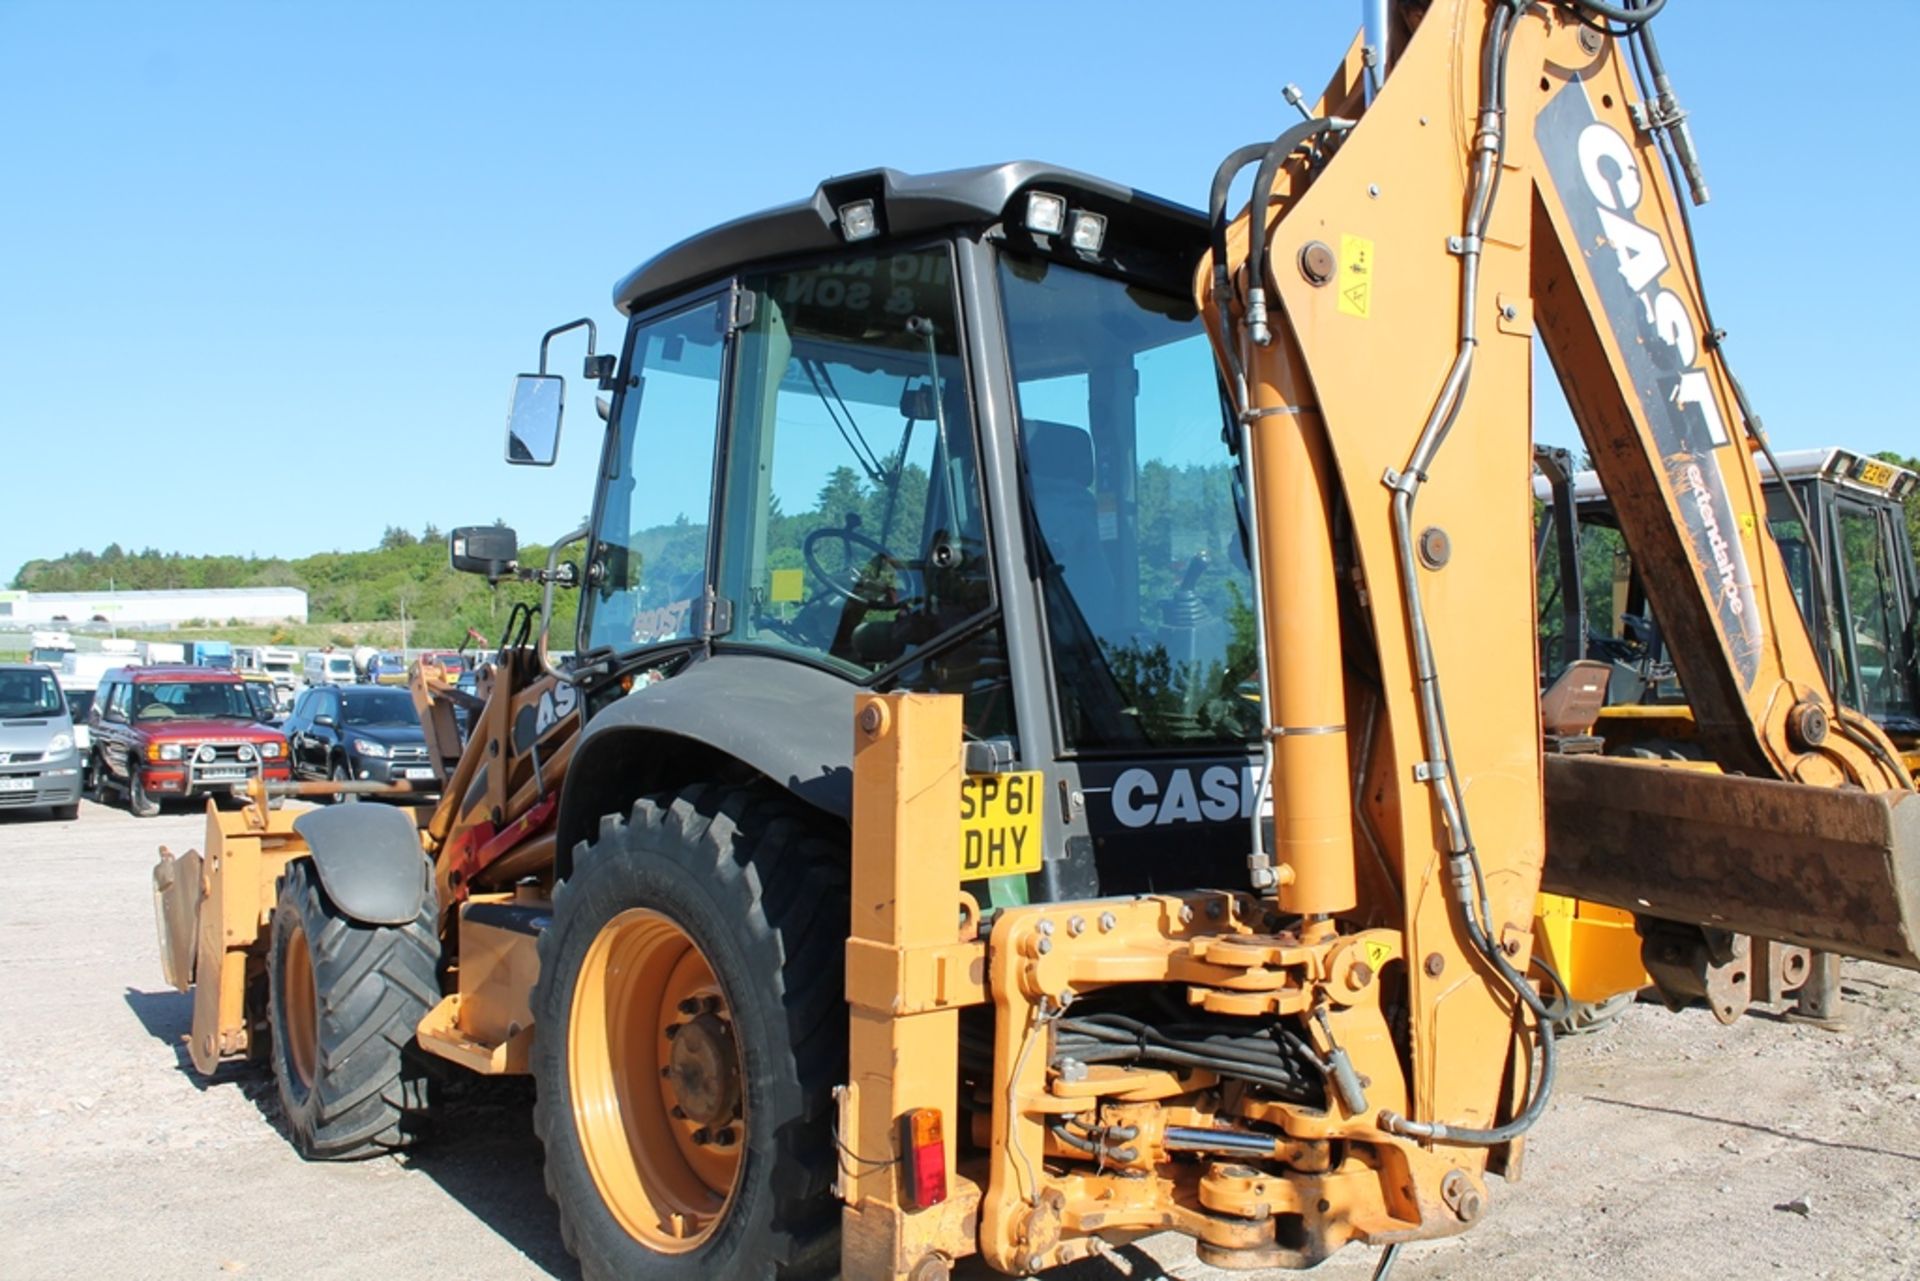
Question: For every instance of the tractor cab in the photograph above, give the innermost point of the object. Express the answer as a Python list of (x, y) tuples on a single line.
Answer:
[(1848, 559), (959, 433)]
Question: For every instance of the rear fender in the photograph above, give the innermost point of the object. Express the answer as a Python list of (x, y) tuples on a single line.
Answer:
[(722, 717)]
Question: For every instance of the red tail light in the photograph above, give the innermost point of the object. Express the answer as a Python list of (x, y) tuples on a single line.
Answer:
[(924, 1152)]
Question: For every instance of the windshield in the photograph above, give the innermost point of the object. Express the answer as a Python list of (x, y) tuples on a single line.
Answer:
[(29, 694), (379, 707), (1149, 612), (342, 666), (192, 700)]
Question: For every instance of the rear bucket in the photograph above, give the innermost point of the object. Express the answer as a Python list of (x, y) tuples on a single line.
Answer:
[(1820, 867)]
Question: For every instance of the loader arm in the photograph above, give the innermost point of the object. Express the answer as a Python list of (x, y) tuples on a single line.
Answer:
[(1376, 337)]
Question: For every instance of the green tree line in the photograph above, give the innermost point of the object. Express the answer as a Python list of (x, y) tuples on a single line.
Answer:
[(405, 575)]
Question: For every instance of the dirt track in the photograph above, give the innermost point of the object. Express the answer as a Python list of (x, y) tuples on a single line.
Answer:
[(1671, 1142)]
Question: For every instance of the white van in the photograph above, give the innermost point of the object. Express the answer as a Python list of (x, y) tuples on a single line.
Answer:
[(39, 768), (79, 677), (323, 667)]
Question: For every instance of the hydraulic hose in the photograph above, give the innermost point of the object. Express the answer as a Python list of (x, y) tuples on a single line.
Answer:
[(1467, 880), (1637, 16), (1262, 196)]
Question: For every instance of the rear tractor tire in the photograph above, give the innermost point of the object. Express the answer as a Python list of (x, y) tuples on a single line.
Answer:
[(343, 1001), (693, 1024), (1583, 1017)]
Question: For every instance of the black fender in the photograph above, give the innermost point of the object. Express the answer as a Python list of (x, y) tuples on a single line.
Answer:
[(369, 859), (787, 722)]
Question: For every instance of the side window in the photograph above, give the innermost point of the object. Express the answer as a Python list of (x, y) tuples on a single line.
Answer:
[(116, 708), (1874, 612), (647, 572), (1148, 596), (852, 528)]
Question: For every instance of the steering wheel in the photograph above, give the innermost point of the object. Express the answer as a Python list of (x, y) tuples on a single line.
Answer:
[(851, 538)]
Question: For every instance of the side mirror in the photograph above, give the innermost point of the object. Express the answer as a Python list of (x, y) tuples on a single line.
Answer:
[(483, 549), (533, 423), (327, 721)]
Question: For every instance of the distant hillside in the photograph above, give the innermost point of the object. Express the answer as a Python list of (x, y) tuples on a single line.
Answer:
[(404, 573)]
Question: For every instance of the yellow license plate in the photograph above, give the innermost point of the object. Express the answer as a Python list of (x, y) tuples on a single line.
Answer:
[(999, 824), (1878, 475)]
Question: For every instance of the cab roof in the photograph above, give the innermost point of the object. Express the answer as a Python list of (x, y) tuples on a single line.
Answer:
[(174, 672), (904, 205)]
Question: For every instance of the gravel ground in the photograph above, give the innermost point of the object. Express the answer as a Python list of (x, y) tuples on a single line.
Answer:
[(1673, 1149)]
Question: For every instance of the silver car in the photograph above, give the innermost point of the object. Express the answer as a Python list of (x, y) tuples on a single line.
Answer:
[(39, 768)]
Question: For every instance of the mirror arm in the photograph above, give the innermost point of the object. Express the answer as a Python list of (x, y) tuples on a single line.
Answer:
[(593, 336), (548, 577)]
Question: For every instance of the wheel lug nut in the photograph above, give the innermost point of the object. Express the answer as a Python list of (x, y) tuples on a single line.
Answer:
[(703, 1135), (726, 1138), (690, 1006), (679, 1113)]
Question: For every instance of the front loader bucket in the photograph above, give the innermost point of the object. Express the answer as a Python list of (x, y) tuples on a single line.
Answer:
[(1826, 868), (176, 913), (212, 910)]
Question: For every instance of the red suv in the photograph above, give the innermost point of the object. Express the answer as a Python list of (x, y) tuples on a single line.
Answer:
[(178, 731)]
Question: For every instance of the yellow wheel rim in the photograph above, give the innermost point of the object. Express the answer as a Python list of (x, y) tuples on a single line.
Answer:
[(299, 1009), (655, 1075)]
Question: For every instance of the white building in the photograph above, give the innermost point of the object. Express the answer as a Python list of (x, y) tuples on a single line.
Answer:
[(154, 609)]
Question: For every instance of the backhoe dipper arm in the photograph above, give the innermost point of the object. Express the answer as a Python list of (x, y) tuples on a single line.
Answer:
[(1406, 250)]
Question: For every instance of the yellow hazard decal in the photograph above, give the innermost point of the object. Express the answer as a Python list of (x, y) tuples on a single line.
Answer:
[(788, 584), (1378, 953), (1356, 276)]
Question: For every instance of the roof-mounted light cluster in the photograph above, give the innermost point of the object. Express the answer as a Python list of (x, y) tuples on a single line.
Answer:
[(858, 221), (1048, 215)]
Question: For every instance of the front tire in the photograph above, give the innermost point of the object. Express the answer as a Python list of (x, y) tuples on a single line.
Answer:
[(340, 775), (139, 803), (693, 1025), (343, 1001)]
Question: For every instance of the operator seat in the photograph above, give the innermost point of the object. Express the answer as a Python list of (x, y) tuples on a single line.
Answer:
[(1571, 706), (1060, 472)]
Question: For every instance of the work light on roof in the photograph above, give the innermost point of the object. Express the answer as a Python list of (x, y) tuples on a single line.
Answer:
[(1046, 213), (857, 220), (1089, 231)]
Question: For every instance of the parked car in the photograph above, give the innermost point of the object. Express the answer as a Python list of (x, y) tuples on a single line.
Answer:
[(386, 668), (265, 695), (175, 731), (328, 666), (39, 768), (358, 733)]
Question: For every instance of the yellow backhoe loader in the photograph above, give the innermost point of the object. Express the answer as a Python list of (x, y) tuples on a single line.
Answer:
[(1055, 747)]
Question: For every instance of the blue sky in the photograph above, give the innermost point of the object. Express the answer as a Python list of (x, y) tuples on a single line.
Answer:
[(266, 270)]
